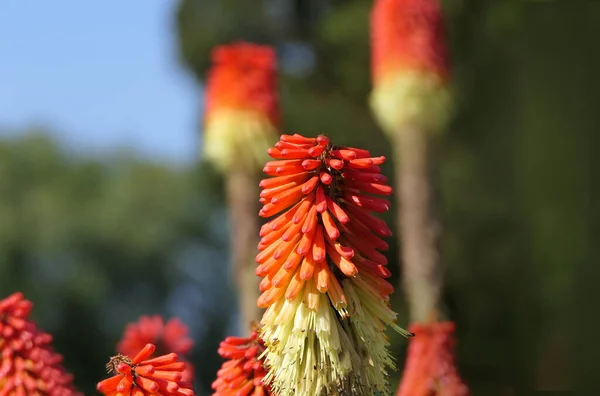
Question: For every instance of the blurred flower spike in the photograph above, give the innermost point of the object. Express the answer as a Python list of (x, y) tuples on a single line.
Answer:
[(28, 364), (430, 369), (243, 373), (323, 275), (169, 337), (144, 376), (409, 65), (242, 111)]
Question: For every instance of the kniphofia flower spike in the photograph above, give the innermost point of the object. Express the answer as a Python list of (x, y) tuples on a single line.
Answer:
[(242, 111), (409, 65), (143, 376), (323, 273), (28, 364), (169, 337), (243, 373)]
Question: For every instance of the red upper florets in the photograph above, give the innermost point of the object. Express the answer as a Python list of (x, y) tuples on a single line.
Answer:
[(408, 35)]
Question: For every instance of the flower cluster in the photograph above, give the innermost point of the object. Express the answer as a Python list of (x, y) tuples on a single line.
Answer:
[(169, 337), (323, 273), (430, 369), (28, 364), (242, 113), (243, 373), (142, 376), (409, 64)]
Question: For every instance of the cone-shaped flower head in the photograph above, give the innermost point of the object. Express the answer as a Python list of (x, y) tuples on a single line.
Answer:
[(169, 337), (430, 368), (409, 64), (145, 376), (323, 275), (242, 374), (242, 113), (28, 365)]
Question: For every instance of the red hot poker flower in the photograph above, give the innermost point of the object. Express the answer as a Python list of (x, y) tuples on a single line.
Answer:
[(430, 369), (324, 244), (142, 376), (168, 337), (409, 64), (243, 373), (242, 111), (28, 364)]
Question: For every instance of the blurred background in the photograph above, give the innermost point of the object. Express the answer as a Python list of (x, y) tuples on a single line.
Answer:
[(107, 211)]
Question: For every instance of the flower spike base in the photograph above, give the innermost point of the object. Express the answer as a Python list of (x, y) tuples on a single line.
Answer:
[(323, 273)]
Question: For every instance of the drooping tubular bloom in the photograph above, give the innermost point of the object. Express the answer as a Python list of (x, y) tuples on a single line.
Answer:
[(143, 376), (430, 368), (242, 112), (323, 273), (169, 337), (243, 373), (409, 65), (28, 364)]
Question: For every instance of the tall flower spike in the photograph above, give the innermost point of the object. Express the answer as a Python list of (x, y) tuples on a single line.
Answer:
[(430, 369), (169, 337), (323, 274), (409, 65), (242, 113), (243, 373), (143, 376), (28, 364)]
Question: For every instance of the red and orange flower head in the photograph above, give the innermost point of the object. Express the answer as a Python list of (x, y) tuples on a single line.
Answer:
[(28, 364), (430, 369), (168, 337), (243, 373), (145, 376), (323, 273), (409, 64), (242, 111)]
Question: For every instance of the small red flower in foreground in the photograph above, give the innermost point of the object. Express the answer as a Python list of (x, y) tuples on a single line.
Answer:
[(144, 376), (430, 369), (168, 337), (242, 112), (243, 373), (324, 242), (409, 63), (28, 365)]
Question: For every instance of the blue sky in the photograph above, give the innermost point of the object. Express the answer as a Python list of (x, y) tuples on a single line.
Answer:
[(100, 74)]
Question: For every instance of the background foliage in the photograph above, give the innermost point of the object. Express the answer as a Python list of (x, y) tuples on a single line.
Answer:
[(97, 242)]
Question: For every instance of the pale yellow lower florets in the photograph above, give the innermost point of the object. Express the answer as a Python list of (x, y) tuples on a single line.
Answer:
[(411, 98), (238, 138), (327, 352), (307, 350)]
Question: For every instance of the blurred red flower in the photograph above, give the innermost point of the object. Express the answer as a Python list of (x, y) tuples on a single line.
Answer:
[(28, 365), (430, 369), (169, 337), (408, 35)]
